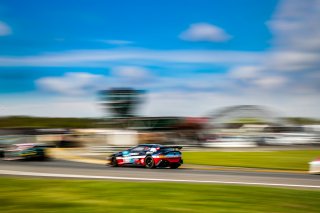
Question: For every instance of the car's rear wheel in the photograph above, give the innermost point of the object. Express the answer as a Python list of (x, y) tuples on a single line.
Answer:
[(175, 165), (149, 162), (114, 162)]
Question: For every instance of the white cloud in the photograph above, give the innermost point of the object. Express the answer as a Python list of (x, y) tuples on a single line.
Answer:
[(97, 58), (117, 42), (294, 56), (77, 83), (131, 76), (195, 83), (4, 29), (204, 32), (169, 103), (292, 61), (295, 26), (53, 107), (245, 72), (132, 72), (183, 103), (296, 45), (81, 83), (255, 77), (270, 82)]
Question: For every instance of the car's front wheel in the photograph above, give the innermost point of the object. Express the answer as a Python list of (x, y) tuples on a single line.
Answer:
[(149, 162)]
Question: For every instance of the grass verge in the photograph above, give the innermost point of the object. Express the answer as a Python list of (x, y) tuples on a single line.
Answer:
[(53, 195), (283, 160)]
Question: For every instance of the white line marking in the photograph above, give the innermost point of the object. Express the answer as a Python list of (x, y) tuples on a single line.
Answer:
[(40, 174)]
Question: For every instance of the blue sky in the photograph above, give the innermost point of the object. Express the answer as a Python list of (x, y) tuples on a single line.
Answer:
[(191, 56), (43, 25)]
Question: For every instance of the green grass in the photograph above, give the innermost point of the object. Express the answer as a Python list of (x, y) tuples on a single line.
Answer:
[(283, 160), (53, 195)]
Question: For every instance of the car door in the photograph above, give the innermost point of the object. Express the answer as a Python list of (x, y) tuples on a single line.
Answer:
[(137, 153)]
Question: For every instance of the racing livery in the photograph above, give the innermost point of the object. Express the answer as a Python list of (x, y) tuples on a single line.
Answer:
[(149, 156), (26, 151)]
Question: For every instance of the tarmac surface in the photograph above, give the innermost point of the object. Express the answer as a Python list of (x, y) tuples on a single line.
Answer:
[(56, 168)]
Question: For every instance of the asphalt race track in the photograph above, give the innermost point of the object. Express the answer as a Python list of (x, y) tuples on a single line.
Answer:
[(68, 169)]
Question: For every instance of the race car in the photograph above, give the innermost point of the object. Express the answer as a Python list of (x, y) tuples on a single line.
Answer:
[(149, 156), (25, 151)]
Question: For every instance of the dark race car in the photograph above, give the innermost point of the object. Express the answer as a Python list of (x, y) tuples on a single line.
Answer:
[(26, 151), (149, 156)]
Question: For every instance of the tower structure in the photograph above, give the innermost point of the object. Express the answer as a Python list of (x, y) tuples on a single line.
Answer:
[(122, 102)]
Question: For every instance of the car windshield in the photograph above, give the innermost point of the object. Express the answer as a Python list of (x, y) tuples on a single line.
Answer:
[(137, 149)]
